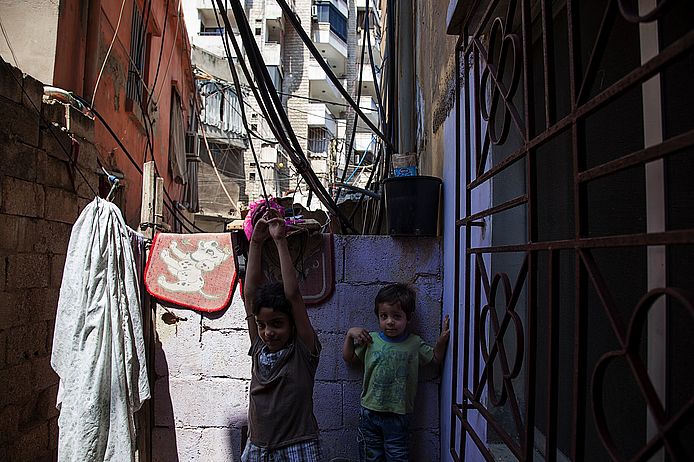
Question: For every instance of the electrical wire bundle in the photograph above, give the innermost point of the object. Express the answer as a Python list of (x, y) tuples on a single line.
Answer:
[(269, 101)]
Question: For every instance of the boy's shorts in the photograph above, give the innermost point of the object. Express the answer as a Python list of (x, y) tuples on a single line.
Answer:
[(304, 451)]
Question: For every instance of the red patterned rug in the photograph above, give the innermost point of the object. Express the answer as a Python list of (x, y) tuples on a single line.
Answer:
[(192, 270)]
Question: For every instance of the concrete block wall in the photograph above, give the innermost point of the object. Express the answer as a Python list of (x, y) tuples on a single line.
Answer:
[(39, 202), (203, 370)]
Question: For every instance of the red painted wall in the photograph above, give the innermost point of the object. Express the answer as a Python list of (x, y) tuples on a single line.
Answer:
[(85, 31)]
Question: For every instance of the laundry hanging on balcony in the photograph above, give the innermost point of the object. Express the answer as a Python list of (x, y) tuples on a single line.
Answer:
[(98, 347), (194, 271)]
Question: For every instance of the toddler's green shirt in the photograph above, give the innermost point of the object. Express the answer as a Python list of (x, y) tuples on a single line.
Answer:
[(391, 371)]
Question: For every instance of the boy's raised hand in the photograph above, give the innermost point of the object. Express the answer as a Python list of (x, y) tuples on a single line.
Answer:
[(260, 231), (278, 228), (359, 335)]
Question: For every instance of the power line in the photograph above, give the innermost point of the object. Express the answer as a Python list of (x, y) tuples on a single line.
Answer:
[(9, 45), (273, 107), (108, 52)]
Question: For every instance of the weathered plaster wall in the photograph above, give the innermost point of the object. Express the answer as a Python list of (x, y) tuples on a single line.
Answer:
[(203, 370), (39, 202), (435, 63)]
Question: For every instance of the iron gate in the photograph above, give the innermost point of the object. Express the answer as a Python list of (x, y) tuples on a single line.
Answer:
[(575, 237)]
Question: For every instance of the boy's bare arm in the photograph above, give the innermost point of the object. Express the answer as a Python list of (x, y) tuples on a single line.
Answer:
[(304, 329), (442, 342), (354, 335), (254, 275)]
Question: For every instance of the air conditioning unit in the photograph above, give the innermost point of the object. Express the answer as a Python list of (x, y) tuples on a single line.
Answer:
[(314, 12)]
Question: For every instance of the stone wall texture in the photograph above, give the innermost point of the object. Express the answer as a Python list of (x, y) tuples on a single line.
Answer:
[(42, 190), (203, 370)]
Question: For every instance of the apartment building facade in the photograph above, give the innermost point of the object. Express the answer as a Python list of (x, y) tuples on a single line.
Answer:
[(316, 110)]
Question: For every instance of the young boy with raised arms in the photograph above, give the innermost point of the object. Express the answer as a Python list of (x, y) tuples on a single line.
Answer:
[(284, 351), (391, 360)]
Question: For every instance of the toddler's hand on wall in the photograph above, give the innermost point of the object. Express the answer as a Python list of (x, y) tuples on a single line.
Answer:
[(359, 335)]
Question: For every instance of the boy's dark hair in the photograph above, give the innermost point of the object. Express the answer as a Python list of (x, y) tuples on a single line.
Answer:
[(397, 293), (271, 295)]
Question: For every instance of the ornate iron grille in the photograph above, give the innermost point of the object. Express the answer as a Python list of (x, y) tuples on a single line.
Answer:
[(575, 158)]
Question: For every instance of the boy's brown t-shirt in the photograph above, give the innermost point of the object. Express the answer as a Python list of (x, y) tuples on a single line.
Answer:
[(280, 411)]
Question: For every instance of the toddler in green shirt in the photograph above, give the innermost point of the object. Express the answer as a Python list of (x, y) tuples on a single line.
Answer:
[(391, 360)]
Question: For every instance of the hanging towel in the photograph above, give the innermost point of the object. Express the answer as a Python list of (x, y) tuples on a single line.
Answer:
[(98, 349), (194, 271)]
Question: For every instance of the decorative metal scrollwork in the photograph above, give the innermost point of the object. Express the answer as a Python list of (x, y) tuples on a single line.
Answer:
[(630, 11), (631, 353), (499, 46), (510, 371)]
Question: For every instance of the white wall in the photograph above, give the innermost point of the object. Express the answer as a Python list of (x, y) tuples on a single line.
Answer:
[(33, 41)]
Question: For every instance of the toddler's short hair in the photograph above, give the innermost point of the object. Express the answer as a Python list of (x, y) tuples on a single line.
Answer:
[(397, 293), (271, 295)]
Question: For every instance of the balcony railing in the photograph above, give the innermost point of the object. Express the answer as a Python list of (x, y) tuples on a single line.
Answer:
[(272, 54), (320, 116)]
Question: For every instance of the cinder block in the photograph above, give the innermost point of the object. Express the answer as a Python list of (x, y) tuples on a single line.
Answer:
[(9, 423), (10, 82), (370, 259), (22, 125), (57, 174), (19, 161), (22, 197), (12, 312), (40, 409), (347, 372), (351, 402), (218, 445), (425, 445), (88, 155), (55, 142), (169, 444), (3, 349), (231, 318), (32, 96), (326, 316), (164, 444), (14, 381), (27, 271), (181, 350), (25, 343), (81, 125), (208, 402), (57, 267), (9, 229), (225, 354), (41, 304), (357, 306), (42, 236), (42, 374), (86, 184), (163, 407), (339, 255), (53, 435), (426, 411), (3, 273), (41, 166), (61, 205), (32, 445), (330, 357), (340, 444), (327, 405)]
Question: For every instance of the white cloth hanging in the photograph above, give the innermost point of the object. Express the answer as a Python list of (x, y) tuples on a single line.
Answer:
[(98, 347)]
